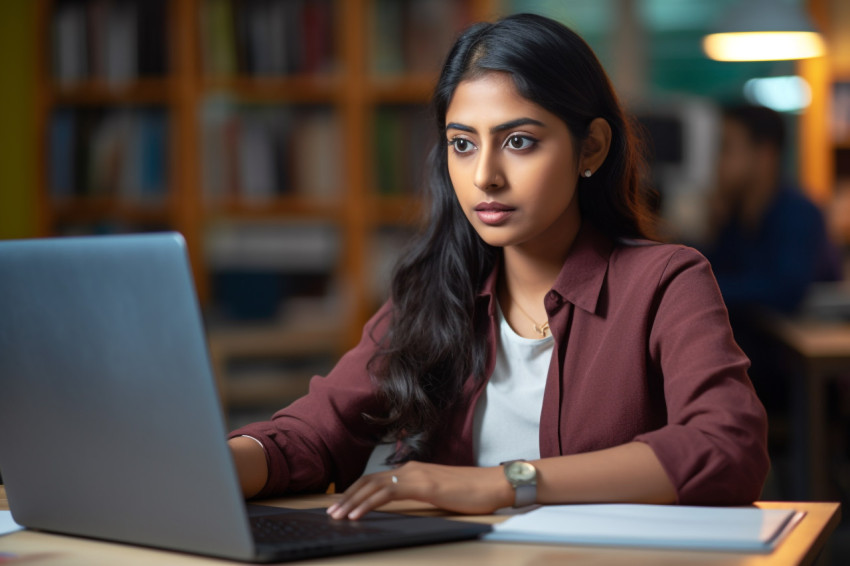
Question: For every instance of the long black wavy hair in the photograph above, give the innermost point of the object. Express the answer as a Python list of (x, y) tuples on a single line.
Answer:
[(435, 339)]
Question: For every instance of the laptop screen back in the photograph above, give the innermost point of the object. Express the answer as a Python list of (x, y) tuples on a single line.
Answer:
[(110, 425)]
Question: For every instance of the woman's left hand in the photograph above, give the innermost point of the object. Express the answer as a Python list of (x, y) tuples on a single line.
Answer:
[(454, 488)]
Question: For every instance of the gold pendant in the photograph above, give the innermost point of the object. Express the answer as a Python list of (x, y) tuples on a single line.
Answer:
[(542, 330)]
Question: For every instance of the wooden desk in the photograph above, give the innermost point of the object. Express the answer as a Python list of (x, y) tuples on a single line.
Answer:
[(801, 547), (821, 351)]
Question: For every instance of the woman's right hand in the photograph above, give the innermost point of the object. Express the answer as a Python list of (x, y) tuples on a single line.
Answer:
[(249, 456)]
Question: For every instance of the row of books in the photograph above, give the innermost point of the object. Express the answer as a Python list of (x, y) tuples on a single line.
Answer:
[(113, 40), (255, 153), (115, 152), (413, 36), (267, 37), (294, 247), (403, 136), (259, 266)]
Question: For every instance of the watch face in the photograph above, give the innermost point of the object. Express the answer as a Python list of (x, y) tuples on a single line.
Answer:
[(521, 471)]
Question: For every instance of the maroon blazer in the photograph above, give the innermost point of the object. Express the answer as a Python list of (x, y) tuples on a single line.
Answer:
[(644, 352)]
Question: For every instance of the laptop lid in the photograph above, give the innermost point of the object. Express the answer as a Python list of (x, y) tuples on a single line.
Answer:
[(110, 426)]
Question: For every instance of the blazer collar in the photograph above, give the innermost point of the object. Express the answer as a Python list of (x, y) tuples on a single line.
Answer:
[(582, 276)]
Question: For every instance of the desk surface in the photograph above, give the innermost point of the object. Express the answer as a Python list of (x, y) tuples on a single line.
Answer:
[(801, 546), (810, 338)]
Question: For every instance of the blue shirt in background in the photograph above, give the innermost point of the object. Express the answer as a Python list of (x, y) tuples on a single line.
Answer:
[(773, 265)]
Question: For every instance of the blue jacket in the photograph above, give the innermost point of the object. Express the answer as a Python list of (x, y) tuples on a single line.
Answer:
[(774, 265)]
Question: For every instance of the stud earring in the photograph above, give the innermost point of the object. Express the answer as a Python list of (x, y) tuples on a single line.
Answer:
[(587, 173)]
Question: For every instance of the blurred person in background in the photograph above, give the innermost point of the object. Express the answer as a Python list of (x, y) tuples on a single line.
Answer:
[(768, 241)]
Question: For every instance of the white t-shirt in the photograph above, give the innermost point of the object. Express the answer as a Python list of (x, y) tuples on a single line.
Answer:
[(507, 416)]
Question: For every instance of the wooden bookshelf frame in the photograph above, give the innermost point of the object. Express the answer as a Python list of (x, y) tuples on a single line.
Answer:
[(351, 91)]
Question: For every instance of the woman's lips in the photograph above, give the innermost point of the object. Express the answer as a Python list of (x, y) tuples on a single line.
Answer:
[(493, 213)]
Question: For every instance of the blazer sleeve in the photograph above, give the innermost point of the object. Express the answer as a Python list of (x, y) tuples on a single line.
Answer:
[(714, 446), (325, 436)]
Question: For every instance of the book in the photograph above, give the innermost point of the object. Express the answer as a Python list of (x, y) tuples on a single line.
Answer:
[(69, 42), (257, 173), (306, 247), (152, 154), (216, 162), (217, 38), (153, 38), (413, 36), (403, 137), (119, 56), (317, 37), (118, 152), (107, 153), (388, 151), (113, 40), (247, 152), (267, 38), (739, 529), (435, 24), (61, 153), (317, 156), (387, 46)]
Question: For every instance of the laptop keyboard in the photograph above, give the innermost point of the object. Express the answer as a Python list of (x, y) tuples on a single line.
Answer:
[(308, 528)]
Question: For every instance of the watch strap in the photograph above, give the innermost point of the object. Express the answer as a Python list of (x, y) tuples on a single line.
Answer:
[(525, 495)]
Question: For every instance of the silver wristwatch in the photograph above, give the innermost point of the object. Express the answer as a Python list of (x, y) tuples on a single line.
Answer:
[(523, 478)]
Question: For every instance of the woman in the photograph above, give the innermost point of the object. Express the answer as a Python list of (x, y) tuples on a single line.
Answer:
[(531, 320)]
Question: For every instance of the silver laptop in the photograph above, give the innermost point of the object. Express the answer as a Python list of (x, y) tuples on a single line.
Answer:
[(110, 424)]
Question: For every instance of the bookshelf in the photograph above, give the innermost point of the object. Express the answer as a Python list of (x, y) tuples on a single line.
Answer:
[(274, 136)]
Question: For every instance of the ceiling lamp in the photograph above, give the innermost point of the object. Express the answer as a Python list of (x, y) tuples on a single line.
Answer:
[(763, 30), (783, 94)]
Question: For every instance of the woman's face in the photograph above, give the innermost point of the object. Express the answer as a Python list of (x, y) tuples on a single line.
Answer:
[(513, 164)]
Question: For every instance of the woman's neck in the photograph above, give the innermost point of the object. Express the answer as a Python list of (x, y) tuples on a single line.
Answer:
[(528, 273)]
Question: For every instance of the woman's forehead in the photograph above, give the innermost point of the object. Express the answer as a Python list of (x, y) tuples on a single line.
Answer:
[(491, 99)]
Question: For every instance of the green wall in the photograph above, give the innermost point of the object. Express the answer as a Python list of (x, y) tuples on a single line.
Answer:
[(17, 119)]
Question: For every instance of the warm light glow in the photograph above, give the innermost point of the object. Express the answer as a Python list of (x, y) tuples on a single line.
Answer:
[(763, 45)]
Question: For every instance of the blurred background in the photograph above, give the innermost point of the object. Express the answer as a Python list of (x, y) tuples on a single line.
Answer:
[(286, 140)]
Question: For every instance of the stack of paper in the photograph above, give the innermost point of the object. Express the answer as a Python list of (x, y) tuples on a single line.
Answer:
[(7, 524), (660, 526)]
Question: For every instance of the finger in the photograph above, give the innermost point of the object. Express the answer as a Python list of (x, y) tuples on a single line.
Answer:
[(356, 498), (378, 498), (350, 492), (352, 489)]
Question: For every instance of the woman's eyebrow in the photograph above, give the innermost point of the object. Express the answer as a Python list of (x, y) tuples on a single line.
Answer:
[(515, 123), (461, 127), (497, 128)]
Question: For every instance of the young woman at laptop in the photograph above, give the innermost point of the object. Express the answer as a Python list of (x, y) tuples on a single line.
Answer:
[(538, 347)]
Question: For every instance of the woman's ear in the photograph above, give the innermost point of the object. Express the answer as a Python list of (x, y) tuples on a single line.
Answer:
[(594, 147)]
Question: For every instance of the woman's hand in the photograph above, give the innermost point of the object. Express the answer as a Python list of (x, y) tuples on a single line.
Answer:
[(454, 488)]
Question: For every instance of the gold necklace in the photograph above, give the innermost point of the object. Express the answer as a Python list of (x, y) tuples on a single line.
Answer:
[(539, 329)]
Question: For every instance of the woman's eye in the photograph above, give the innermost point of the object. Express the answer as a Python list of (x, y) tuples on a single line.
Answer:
[(519, 142), (461, 145)]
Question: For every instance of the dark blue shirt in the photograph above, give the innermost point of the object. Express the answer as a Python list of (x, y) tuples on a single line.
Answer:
[(774, 264)]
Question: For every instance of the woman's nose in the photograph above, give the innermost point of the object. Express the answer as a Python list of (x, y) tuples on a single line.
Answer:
[(488, 174)]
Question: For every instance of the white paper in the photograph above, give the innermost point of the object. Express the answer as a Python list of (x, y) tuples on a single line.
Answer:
[(658, 526), (7, 524)]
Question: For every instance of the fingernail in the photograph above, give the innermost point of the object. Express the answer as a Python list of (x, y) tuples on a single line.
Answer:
[(332, 508)]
